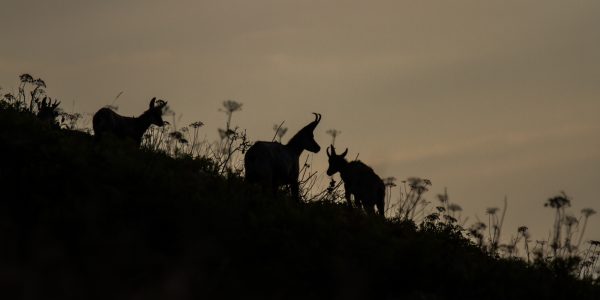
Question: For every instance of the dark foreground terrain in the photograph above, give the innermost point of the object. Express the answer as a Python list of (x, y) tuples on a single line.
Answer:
[(86, 220)]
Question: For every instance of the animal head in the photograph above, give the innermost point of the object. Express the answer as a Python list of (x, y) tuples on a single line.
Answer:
[(47, 111), (306, 136), (155, 112), (336, 162)]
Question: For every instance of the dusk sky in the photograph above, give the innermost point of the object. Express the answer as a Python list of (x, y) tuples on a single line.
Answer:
[(486, 98)]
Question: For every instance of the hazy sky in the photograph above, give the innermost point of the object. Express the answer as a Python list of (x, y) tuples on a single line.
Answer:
[(487, 98)]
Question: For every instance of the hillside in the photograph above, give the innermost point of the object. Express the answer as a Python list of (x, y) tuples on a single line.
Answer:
[(87, 220)]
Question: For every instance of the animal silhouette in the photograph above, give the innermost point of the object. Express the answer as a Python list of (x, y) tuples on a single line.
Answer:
[(359, 180), (47, 111), (106, 121), (272, 164)]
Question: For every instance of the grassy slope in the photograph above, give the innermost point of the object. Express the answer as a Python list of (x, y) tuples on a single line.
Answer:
[(80, 219)]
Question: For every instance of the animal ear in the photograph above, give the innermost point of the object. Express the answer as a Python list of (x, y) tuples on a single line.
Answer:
[(327, 151), (152, 102), (344, 153)]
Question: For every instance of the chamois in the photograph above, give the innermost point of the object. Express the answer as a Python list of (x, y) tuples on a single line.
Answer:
[(272, 164), (359, 180), (106, 121), (47, 111)]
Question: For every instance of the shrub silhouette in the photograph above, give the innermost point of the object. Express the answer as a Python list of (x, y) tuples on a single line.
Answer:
[(47, 111), (85, 220)]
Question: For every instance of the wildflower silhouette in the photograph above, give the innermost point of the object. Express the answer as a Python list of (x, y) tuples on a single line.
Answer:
[(558, 203), (280, 131), (586, 212), (333, 133)]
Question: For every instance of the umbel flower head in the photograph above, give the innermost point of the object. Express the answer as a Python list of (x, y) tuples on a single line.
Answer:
[(559, 201)]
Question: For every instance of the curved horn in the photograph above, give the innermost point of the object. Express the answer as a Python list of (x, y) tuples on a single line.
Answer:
[(317, 117), (344, 153), (152, 102), (312, 125), (328, 153)]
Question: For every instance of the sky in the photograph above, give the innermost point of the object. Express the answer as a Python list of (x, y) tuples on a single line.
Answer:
[(486, 98)]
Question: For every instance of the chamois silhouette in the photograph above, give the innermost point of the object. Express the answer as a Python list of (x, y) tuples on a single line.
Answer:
[(272, 164), (106, 121), (47, 111), (359, 180)]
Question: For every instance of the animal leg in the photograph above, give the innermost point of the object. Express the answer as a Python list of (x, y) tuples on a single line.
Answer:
[(295, 189), (266, 185), (380, 207), (348, 197), (380, 202), (271, 187), (369, 208), (359, 202)]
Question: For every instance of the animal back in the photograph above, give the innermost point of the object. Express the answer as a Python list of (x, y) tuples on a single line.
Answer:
[(103, 121)]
